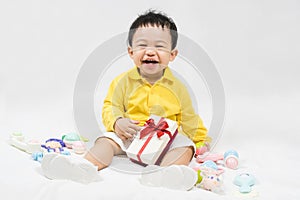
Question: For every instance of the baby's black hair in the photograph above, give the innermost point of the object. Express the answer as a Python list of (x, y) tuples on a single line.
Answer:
[(154, 18)]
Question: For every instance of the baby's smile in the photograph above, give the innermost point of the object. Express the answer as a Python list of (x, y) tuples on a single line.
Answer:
[(150, 62)]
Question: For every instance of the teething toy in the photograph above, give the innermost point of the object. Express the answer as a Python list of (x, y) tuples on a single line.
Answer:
[(51, 145), (73, 138), (244, 181), (231, 159), (212, 165), (18, 140), (209, 156), (69, 139), (208, 179), (78, 147), (209, 176), (210, 182), (38, 156), (54, 145), (201, 148)]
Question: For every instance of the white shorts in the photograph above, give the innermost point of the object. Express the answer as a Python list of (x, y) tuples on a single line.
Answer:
[(179, 141)]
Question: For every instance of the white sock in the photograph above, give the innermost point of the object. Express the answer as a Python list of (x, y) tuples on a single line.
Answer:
[(178, 177), (58, 166)]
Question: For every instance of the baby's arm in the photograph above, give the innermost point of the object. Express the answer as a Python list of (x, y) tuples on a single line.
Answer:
[(191, 122), (113, 111), (113, 107)]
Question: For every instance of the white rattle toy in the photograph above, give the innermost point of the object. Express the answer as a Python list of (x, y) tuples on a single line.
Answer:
[(18, 140)]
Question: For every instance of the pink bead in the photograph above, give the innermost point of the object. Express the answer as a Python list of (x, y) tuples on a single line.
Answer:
[(231, 162), (78, 147), (201, 150)]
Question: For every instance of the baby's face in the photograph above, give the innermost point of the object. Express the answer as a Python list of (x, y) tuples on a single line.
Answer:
[(151, 50)]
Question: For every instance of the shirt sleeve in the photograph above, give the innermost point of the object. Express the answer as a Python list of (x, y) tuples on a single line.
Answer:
[(113, 107), (191, 123)]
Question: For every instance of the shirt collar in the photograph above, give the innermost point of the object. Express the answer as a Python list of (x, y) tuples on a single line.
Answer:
[(134, 74)]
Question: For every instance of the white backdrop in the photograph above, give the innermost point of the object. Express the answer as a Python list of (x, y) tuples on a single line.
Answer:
[(254, 44)]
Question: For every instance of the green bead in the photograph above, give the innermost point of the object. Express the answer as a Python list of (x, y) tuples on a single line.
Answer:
[(71, 137), (17, 134), (199, 144), (199, 177)]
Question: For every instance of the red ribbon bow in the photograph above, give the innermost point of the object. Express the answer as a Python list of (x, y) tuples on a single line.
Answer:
[(160, 128)]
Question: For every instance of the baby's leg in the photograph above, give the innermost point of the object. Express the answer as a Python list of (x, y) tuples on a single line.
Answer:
[(178, 156), (102, 153)]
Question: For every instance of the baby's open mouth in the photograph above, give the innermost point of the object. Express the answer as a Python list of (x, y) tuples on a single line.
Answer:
[(150, 61)]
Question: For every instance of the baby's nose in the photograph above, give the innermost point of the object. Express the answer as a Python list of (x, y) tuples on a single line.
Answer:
[(150, 51)]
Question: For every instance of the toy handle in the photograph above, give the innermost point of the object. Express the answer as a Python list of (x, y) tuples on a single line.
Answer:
[(205, 157), (231, 159), (18, 144)]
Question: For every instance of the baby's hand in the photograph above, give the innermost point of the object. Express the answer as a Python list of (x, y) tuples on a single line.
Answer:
[(126, 128)]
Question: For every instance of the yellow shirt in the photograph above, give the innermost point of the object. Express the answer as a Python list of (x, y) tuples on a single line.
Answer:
[(131, 96)]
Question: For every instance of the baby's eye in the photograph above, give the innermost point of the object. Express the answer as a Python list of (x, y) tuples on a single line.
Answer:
[(159, 46), (141, 45)]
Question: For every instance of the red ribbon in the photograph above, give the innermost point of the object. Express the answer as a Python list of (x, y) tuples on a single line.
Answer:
[(160, 128), (151, 129)]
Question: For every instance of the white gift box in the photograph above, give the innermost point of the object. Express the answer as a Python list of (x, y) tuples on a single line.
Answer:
[(151, 148)]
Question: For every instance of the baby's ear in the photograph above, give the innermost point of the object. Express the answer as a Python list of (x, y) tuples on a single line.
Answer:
[(130, 51), (173, 54)]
